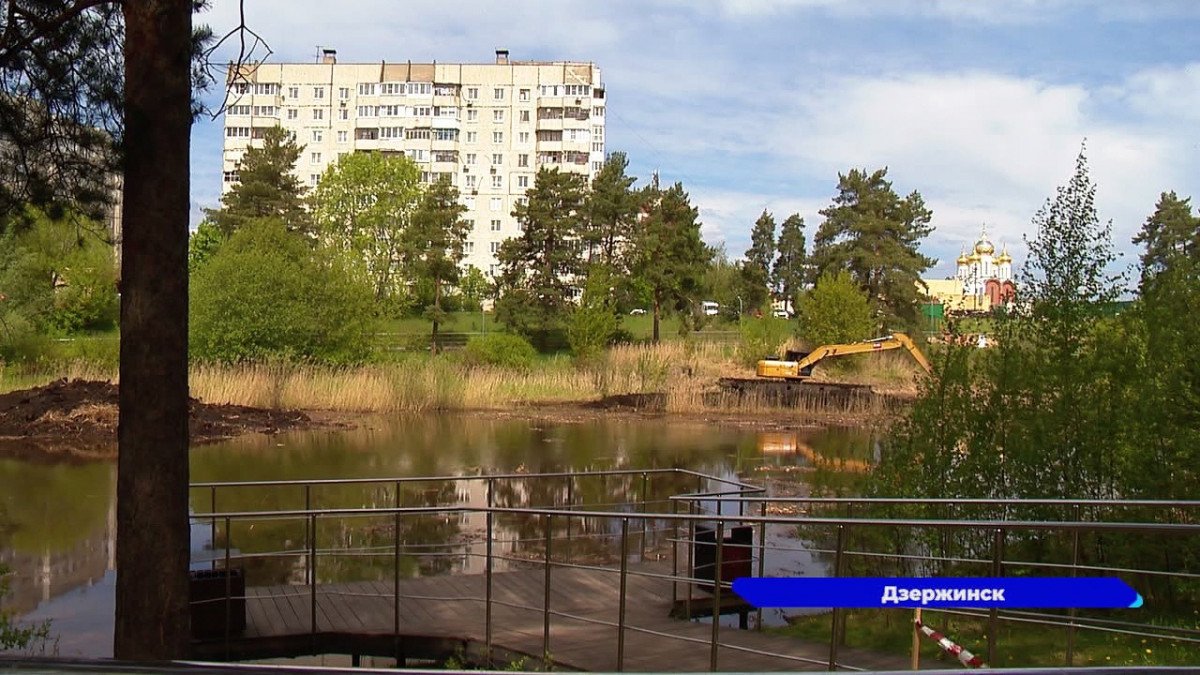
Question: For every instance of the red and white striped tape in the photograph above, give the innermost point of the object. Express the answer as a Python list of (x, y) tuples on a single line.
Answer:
[(951, 647)]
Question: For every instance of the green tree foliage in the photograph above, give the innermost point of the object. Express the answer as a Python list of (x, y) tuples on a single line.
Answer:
[(668, 255), (363, 206), (268, 293), (762, 337), (1170, 230), (791, 266), (761, 253), (266, 186), (13, 635), (474, 287), (433, 245), (538, 268), (203, 243), (612, 209), (594, 324), (875, 234), (57, 277), (835, 311)]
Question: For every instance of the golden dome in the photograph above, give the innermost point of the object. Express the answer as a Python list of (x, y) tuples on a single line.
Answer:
[(1004, 256), (984, 247), (962, 258)]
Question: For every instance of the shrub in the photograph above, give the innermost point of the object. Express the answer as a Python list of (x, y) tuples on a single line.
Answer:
[(268, 293), (500, 349), (835, 311), (762, 338)]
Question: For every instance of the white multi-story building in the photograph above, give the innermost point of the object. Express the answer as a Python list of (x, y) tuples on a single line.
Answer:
[(488, 127)]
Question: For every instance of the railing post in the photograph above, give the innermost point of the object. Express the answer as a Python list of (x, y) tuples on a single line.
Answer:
[(718, 577), (691, 563), (1074, 573), (396, 572), (624, 581), (312, 579), (836, 625), (488, 579), (546, 598), (642, 557), (994, 613), (762, 559), (674, 553), (570, 505), (310, 535), (213, 523), (228, 590)]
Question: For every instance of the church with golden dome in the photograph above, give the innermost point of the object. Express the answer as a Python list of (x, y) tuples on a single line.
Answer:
[(981, 281)]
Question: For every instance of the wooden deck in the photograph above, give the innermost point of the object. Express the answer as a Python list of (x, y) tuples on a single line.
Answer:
[(358, 618)]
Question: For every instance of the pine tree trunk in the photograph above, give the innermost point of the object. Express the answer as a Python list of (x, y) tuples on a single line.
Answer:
[(656, 314), (437, 306), (152, 621)]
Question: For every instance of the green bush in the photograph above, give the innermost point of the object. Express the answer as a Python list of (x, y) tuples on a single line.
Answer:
[(836, 311), (500, 349), (268, 293), (762, 338)]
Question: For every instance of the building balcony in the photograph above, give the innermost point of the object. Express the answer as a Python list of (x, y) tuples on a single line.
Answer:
[(549, 124), (549, 146)]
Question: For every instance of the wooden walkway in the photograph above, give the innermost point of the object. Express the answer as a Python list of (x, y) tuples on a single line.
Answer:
[(278, 624)]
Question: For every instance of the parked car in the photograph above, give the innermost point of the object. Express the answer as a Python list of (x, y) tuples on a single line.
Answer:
[(710, 308)]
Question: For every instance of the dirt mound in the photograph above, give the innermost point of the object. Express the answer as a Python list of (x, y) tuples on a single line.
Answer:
[(79, 418)]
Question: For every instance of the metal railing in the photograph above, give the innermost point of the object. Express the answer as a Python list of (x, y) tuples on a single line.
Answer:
[(545, 533)]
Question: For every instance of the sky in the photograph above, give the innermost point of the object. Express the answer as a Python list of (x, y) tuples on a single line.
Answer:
[(982, 106)]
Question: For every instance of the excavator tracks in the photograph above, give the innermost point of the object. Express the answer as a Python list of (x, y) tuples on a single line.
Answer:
[(794, 392)]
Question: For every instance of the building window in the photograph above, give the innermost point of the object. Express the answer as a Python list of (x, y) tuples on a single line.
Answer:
[(470, 203), (472, 115), (596, 166), (445, 134), (522, 181), (318, 135), (420, 87), (523, 137), (313, 179), (492, 270), (343, 136), (524, 96), (416, 155), (498, 94), (293, 92), (598, 111), (231, 176), (497, 158), (391, 110), (524, 115), (497, 181), (265, 110), (445, 111), (343, 93), (472, 93), (495, 247), (391, 132), (472, 181), (239, 110), (237, 132), (391, 89), (344, 114), (470, 158), (468, 247), (292, 114), (523, 160), (495, 225), (318, 113), (418, 134), (366, 134), (597, 147), (366, 111), (497, 115), (472, 137), (318, 92), (497, 204), (315, 158), (366, 89), (422, 111), (498, 137), (241, 88)]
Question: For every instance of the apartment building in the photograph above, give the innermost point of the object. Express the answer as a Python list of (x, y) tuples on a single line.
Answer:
[(489, 127)]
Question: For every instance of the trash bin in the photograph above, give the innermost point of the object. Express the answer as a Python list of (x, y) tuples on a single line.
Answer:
[(210, 605), (737, 554)]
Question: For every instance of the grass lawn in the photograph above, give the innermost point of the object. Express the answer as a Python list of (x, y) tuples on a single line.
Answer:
[(1019, 645), (641, 327)]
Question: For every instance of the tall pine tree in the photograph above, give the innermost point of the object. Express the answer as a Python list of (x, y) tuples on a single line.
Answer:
[(875, 234), (669, 256), (1171, 230), (266, 186), (791, 263)]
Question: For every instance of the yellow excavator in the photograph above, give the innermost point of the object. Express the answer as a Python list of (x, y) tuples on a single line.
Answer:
[(789, 378), (799, 365)]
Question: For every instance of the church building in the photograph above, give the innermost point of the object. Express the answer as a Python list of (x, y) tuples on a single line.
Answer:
[(981, 281)]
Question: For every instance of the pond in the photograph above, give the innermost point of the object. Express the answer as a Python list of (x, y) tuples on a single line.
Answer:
[(58, 521)]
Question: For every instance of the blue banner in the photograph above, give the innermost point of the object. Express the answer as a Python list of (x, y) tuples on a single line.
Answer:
[(983, 592)]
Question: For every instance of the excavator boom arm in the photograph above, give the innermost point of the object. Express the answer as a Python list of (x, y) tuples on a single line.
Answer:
[(794, 370)]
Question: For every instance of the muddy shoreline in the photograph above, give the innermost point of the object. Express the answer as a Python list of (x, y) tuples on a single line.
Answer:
[(77, 420)]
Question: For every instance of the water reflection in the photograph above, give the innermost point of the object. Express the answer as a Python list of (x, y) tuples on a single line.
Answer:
[(57, 528)]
